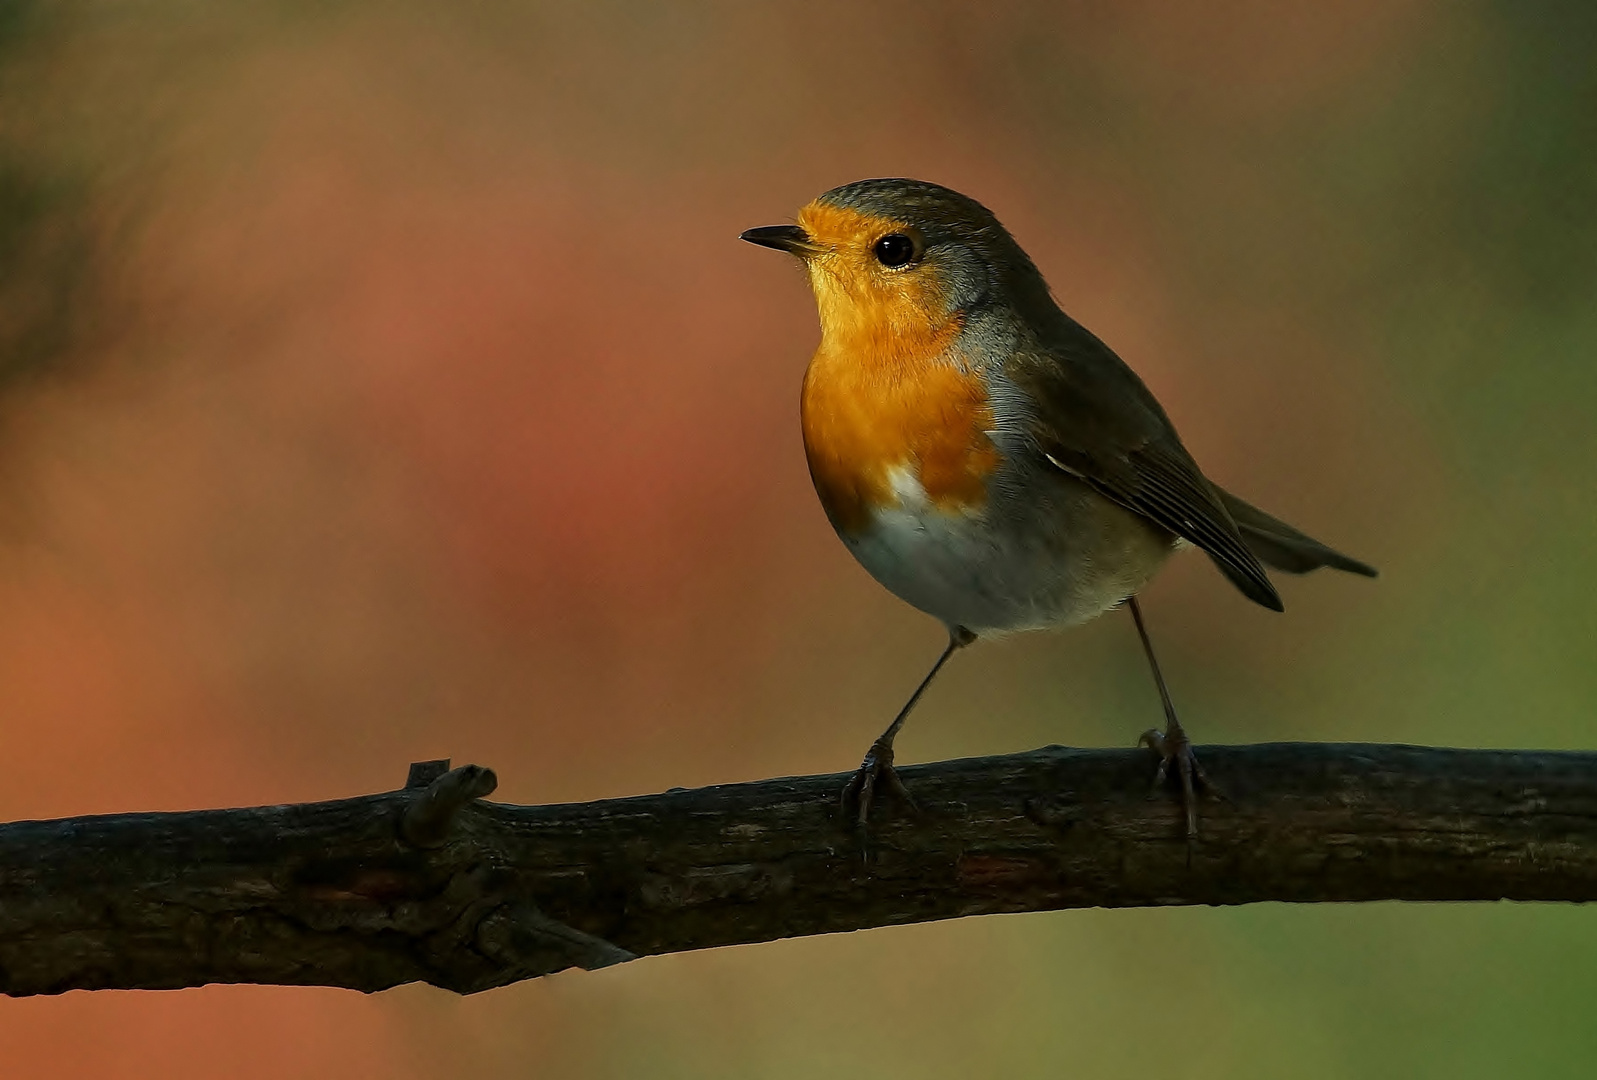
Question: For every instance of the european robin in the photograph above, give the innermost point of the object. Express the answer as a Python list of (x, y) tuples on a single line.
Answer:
[(987, 458)]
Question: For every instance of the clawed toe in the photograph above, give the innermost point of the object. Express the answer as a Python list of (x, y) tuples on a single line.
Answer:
[(875, 771), (1173, 747)]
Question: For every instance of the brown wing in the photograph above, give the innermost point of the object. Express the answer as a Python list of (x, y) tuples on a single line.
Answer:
[(1095, 420)]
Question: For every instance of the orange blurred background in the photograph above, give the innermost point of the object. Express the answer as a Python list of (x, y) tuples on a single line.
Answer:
[(385, 381)]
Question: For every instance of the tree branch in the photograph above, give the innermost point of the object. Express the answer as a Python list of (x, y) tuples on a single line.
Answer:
[(427, 884)]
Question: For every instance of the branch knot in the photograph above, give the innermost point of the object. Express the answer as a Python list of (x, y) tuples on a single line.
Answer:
[(426, 821)]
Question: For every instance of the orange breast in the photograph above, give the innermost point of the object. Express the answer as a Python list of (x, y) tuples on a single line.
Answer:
[(881, 392), (869, 410)]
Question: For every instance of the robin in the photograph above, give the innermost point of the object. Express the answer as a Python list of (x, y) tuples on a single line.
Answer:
[(987, 458)]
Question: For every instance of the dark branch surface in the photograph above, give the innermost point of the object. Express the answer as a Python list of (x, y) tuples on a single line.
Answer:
[(427, 884)]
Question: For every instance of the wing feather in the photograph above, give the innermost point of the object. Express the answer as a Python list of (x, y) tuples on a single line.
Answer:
[(1094, 419)]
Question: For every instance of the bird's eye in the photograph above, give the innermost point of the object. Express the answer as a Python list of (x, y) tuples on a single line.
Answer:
[(894, 250)]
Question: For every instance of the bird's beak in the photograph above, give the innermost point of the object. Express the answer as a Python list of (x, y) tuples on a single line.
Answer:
[(788, 238)]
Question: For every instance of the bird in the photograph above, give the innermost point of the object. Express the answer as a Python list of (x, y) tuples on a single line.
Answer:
[(987, 458)]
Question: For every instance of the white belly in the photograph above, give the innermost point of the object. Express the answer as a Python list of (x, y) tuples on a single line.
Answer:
[(1053, 561)]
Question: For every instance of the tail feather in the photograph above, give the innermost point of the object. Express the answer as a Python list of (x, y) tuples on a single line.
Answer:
[(1278, 545)]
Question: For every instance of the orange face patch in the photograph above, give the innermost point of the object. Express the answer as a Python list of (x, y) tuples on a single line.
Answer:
[(883, 390), (861, 302)]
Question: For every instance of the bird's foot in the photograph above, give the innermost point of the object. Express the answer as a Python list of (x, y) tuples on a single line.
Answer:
[(1178, 762), (875, 772)]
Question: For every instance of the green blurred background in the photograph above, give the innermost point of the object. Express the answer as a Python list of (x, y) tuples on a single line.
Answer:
[(384, 381)]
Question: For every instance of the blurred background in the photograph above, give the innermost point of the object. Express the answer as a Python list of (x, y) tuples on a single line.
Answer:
[(385, 381)]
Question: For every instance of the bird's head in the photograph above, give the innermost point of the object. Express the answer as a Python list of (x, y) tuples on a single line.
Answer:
[(895, 257)]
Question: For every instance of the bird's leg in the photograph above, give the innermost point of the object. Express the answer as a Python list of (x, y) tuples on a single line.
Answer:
[(877, 768), (1171, 744)]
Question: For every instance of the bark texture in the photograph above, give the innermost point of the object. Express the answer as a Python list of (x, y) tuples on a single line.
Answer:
[(429, 883)]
